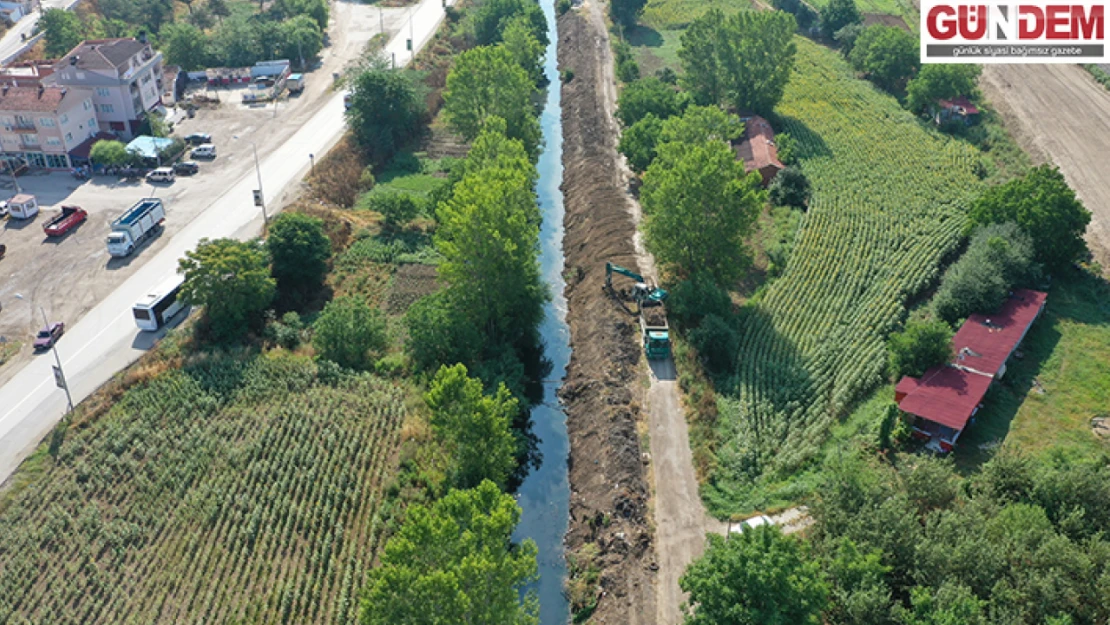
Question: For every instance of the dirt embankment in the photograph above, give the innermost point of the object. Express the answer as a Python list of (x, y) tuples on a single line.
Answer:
[(609, 498)]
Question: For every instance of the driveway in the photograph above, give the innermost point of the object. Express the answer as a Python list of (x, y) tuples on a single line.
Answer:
[(104, 339)]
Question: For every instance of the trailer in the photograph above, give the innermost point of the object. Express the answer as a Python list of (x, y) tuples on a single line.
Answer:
[(63, 222), (140, 222), (23, 206)]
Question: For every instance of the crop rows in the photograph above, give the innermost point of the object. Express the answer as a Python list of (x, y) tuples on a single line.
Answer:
[(228, 491), (888, 205)]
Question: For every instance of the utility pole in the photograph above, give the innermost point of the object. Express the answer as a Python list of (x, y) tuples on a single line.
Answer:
[(260, 198), (57, 359), (312, 163), (381, 20)]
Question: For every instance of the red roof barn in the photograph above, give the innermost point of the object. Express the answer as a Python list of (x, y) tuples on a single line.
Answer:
[(757, 149), (947, 396)]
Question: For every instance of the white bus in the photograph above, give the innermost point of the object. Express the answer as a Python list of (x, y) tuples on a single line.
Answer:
[(153, 310)]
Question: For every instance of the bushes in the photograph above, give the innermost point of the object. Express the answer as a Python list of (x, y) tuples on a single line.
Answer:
[(627, 68), (349, 332), (887, 55), (638, 142), (300, 251), (999, 257), (648, 96), (386, 111), (717, 343), (790, 188), (397, 208), (919, 346)]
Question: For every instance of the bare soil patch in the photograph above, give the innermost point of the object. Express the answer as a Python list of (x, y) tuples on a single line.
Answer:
[(1059, 113), (893, 21), (410, 283), (609, 491)]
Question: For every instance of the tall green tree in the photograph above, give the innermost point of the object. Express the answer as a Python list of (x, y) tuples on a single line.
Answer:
[(385, 112), (758, 577), (998, 258), (743, 60), (301, 39), (110, 153), (702, 123), (349, 332), (486, 21), (184, 45), (937, 81), (920, 345), (639, 141), (474, 426), (487, 82), (699, 206), (526, 50), (231, 279), (1045, 207), (837, 14), (489, 236), (62, 31), (626, 12), (317, 10), (648, 96), (889, 56), (452, 562), (300, 251)]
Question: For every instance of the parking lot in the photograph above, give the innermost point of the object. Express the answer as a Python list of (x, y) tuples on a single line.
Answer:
[(68, 275)]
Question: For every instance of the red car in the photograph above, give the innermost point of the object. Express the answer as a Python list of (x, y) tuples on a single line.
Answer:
[(50, 335)]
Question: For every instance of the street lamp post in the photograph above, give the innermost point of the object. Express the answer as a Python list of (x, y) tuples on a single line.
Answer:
[(261, 196), (57, 359)]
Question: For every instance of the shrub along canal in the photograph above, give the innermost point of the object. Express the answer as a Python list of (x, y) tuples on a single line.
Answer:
[(545, 494)]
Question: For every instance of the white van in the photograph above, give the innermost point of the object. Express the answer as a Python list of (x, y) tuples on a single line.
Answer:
[(162, 174), (206, 150)]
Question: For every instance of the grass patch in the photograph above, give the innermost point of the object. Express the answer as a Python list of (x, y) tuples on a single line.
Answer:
[(678, 14), (1045, 403), (8, 350), (1098, 73), (655, 49)]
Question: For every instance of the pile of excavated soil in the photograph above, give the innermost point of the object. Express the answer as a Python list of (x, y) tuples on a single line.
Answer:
[(655, 315), (609, 491)]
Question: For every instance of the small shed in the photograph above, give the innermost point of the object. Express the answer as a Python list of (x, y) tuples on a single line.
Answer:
[(23, 206), (956, 110), (757, 149)]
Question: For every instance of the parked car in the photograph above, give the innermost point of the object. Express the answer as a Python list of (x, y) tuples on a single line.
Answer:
[(162, 174), (3, 209), (198, 138), (49, 335), (750, 524), (186, 168), (204, 151)]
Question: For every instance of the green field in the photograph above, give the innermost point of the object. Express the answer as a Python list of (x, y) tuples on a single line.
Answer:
[(234, 489), (677, 14), (889, 195)]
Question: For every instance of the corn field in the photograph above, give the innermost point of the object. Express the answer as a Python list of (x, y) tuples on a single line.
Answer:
[(232, 490), (888, 205)]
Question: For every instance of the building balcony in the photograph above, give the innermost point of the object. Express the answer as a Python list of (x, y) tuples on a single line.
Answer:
[(30, 143), (23, 125)]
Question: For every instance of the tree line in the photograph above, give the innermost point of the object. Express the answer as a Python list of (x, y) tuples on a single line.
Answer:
[(209, 34)]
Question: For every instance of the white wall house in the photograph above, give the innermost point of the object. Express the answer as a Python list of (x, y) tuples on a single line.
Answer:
[(124, 76), (40, 125)]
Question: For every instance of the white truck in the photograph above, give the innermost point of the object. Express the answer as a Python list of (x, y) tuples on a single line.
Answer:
[(295, 83), (139, 223)]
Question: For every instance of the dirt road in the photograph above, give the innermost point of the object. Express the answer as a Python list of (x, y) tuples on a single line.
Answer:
[(1059, 113), (680, 519), (609, 489)]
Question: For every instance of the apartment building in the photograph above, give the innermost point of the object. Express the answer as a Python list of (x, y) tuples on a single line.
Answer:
[(124, 76), (40, 124)]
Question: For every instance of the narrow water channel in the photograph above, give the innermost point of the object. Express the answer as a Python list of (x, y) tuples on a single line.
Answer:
[(545, 494)]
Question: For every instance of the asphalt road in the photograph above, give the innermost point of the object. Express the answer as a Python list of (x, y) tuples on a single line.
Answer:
[(13, 40), (106, 340)]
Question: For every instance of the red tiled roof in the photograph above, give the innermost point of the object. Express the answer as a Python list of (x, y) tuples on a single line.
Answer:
[(960, 102), (757, 146), (26, 98), (945, 395), (985, 342)]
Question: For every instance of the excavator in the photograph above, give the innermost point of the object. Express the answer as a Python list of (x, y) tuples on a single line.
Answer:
[(654, 330)]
